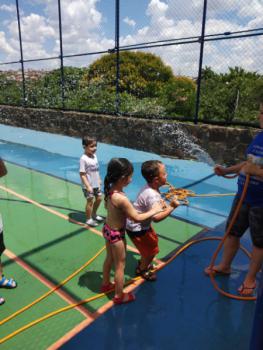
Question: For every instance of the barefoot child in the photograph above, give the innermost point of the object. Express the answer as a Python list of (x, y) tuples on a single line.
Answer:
[(90, 178), (142, 234), (118, 207)]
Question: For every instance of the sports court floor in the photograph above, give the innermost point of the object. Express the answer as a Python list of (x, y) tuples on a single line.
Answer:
[(42, 206)]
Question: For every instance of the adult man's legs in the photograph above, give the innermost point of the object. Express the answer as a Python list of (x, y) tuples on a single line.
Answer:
[(231, 247), (255, 265)]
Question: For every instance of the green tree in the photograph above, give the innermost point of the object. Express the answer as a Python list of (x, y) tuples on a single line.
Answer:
[(146, 85), (46, 91), (11, 90), (178, 97), (229, 96), (141, 74)]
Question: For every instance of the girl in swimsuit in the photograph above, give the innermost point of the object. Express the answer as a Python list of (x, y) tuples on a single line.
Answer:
[(119, 208)]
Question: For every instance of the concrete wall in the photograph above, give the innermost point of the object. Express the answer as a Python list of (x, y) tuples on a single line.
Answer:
[(183, 140)]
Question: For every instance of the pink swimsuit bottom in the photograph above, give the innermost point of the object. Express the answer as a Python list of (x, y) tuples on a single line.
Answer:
[(113, 236)]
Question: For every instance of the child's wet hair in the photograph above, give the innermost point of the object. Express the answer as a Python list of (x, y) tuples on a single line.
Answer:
[(88, 140), (117, 168), (150, 169)]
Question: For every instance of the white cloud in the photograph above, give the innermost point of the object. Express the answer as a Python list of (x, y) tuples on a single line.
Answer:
[(253, 8), (156, 9), (35, 28), (5, 46), (129, 21), (82, 26), (214, 26), (35, 32), (76, 15), (8, 8), (174, 19), (84, 30)]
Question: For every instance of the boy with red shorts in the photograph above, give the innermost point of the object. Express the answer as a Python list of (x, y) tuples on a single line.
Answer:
[(142, 234)]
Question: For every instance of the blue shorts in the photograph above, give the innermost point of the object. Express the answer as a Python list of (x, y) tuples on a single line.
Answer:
[(248, 217)]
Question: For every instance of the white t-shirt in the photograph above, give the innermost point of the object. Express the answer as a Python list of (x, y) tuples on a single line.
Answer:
[(144, 202), (90, 167)]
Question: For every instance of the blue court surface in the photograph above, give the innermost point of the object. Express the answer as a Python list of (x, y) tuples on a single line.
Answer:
[(181, 310)]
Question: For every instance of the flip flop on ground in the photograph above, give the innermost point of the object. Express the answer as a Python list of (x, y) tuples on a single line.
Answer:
[(8, 283), (246, 291), (216, 271)]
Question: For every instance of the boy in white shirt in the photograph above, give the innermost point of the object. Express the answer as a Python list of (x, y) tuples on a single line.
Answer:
[(91, 182), (142, 234)]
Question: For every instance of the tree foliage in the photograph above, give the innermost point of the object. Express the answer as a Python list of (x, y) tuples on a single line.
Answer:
[(229, 96), (141, 74), (146, 87), (11, 90)]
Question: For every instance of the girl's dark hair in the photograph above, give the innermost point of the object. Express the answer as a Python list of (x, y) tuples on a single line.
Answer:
[(87, 140), (117, 168)]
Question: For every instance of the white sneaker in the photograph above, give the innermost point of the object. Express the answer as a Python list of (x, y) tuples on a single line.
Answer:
[(98, 218), (92, 223)]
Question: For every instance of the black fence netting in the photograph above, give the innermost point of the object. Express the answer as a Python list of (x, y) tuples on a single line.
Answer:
[(184, 60)]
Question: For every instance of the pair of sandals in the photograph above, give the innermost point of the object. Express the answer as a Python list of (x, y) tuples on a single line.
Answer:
[(243, 290), (148, 274), (8, 283)]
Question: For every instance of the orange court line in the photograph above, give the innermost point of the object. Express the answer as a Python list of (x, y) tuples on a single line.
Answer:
[(90, 317), (77, 329), (63, 216), (47, 283)]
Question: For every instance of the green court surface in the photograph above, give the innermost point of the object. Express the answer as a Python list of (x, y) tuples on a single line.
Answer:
[(55, 248)]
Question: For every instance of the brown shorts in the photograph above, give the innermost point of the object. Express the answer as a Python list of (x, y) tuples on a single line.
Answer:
[(146, 241)]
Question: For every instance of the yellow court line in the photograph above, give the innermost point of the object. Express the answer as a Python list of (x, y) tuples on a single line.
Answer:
[(45, 295), (77, 304), (78, 328), (57, 312), (65, 217), (57, 213), (62, 294), (63, 282)]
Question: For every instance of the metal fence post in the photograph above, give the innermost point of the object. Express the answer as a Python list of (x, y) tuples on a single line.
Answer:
[(62, 79), (197, 102), (21, 54), (117, 50)]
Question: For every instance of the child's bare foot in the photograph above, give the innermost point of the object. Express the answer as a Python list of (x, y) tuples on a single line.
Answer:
[(217, 270)]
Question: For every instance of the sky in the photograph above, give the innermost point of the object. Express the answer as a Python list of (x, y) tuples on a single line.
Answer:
[(89, 25)]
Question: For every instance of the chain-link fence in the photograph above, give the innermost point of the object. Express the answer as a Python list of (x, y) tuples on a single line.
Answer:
[(190, 60)]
